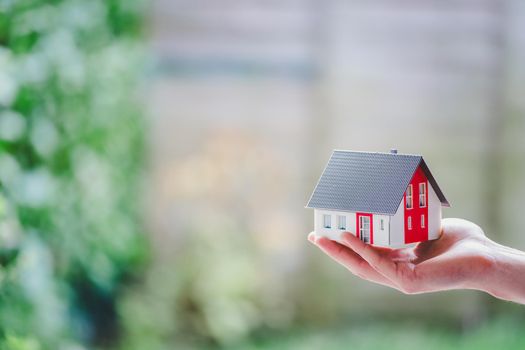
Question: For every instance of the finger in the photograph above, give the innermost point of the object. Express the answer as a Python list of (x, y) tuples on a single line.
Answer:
[(397, 255), (352, 261), (375, 256), (380, 250)]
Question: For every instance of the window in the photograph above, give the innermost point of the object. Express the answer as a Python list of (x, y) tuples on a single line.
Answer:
[(409, 222), (409, 204), (382, 224), (364, 228), (422, 221), (327, 221), (422, 195), (341, 222)]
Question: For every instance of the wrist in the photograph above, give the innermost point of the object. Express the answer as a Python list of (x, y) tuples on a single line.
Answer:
[(503, 273), (484, 267)]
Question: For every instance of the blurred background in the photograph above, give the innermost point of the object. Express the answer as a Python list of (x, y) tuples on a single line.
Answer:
[(156, 157)]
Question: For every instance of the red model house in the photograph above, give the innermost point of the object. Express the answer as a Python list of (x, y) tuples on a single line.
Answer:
[(386, 199)]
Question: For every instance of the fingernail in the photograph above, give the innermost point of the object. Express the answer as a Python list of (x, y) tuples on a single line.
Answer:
[(311, 237)]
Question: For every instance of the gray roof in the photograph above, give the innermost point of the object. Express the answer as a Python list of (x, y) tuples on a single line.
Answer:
[(368, 182)]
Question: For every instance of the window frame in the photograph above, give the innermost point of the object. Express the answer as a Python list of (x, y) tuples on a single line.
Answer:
[(409, 222), (327, 218), (423, 194), (422, 222), (382, 224), (341, 218), (409, 198)]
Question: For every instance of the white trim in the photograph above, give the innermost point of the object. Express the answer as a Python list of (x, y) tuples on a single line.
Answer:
[(409, 197), (409, 222), (341, 222), (423, 195), (327, 221), (434, 214)]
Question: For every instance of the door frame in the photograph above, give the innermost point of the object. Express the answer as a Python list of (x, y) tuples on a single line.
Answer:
[(358, 228)]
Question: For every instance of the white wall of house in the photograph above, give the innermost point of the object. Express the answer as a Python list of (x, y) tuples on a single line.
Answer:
[(434, 214), (397, 227), (334, 232), (381, 236)]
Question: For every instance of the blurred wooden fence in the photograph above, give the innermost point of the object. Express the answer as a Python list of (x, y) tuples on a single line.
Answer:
[(441, 78)]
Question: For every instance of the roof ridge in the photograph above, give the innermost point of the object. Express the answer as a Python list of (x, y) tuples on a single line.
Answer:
[(377, 152)]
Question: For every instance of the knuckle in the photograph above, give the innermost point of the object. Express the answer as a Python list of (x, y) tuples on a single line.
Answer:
[(368, 249), (339, 250), (373, 258), (363, 264), (475, 228)]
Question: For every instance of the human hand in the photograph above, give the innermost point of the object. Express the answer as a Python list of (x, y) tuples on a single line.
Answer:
[(462, 258)]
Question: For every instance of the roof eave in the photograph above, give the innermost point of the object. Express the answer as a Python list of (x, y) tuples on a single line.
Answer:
[(352, 211), (433, 182)]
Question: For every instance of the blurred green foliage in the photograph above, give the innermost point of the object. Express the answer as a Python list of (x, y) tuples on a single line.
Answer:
[(504, 333), (71, 147)]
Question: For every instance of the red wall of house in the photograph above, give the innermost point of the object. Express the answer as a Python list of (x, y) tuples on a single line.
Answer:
[(417, 233)]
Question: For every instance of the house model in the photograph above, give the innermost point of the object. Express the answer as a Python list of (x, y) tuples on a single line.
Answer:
[(386, 199)]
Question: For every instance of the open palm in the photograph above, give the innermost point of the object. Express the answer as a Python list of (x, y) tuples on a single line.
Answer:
[(458, 259)]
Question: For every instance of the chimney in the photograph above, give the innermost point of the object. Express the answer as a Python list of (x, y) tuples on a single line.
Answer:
[(393, 151)]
